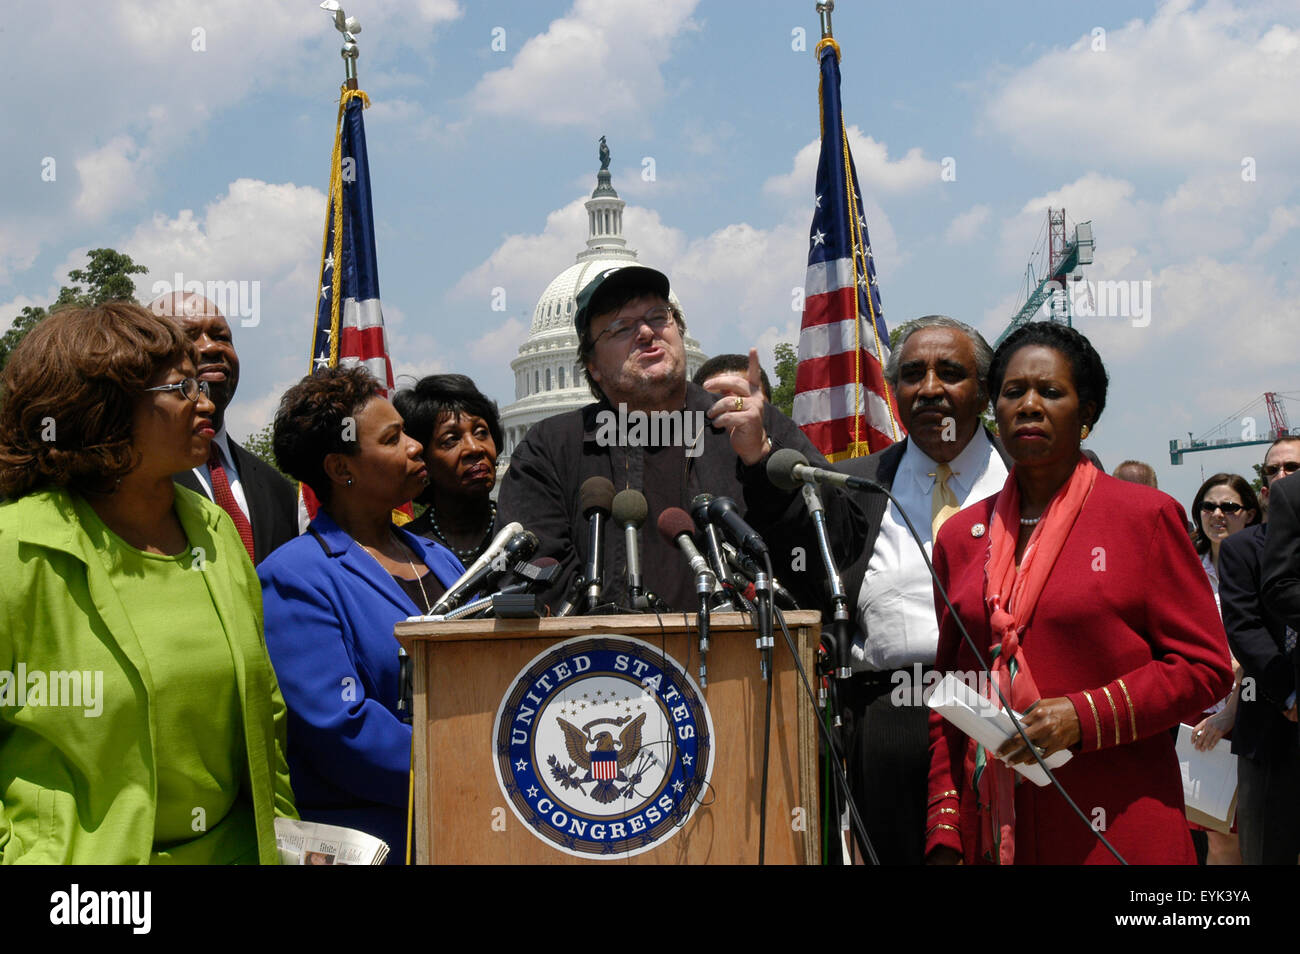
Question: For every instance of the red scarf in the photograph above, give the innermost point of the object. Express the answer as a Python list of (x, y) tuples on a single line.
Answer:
[(1011, 594)]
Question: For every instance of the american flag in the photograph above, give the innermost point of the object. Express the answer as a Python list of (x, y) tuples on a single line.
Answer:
[(604, 766), (349, 320), (841, 399)]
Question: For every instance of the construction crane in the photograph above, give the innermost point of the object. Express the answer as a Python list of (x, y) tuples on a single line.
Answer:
[(1243, 426), (1062, 262)]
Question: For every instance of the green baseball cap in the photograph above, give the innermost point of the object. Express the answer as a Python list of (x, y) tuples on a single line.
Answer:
[(606, 286)]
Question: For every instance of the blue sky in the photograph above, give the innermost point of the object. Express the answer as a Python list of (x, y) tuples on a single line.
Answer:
[(196, 135)]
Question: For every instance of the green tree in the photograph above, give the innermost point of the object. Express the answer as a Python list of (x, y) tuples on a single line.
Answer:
[(259, 445), (1258, 483), (27, 319), (787, 366), (107, 277)]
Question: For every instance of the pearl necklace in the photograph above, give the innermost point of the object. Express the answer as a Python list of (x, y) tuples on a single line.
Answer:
[(467, 555), (1029, 521)]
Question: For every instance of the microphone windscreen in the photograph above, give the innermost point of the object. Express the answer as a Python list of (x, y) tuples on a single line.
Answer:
[(521, 546), (630, 507), (596, 493), (781, 465), (673, 522)]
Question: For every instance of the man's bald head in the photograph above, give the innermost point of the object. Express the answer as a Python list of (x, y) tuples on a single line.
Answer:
[(184, 304), (1136, 472), (205, 325)]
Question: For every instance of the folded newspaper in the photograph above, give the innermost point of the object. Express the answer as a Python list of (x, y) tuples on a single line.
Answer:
[(985, 722), (312, 843)]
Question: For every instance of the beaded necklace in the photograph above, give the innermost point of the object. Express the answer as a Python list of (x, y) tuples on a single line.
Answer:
[(467, 555)]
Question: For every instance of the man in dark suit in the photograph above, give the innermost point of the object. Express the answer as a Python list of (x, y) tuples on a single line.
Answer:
[(263, 505), (1259, 588), (938, 371)]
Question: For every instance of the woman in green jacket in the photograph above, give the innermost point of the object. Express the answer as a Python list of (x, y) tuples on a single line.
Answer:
[(140, 719)]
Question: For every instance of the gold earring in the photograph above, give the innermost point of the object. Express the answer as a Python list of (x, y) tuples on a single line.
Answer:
[(1083, 433)]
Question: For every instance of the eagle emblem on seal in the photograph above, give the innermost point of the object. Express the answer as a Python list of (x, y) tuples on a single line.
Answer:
[(598, 758)]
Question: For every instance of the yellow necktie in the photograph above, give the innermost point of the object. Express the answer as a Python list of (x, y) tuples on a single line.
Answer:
[(943, 502)]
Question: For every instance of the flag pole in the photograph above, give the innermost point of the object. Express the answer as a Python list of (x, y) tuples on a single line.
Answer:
[(824, 9), (349, 27)]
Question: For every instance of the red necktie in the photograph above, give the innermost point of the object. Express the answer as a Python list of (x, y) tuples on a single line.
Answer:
[(226, 500)]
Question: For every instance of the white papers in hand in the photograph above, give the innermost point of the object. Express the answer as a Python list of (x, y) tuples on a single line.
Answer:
[(986, 723), (1209, 778)]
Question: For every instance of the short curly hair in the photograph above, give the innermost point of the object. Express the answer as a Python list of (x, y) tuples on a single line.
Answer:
[(70, 390), (1090, 378), (423, 405), (311, 423)]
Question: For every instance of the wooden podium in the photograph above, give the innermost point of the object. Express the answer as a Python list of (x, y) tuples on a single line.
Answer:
[(523, 756)]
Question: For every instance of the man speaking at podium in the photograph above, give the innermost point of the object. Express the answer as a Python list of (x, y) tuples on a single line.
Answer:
[(653, 431)]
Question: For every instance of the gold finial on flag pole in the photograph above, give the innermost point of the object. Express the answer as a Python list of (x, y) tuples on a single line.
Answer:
[(349, 27), (824, 9)]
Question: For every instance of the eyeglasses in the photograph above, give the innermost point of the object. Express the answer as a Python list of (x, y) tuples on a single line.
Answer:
[(1291, 466), (1228, 508), (190, 387), (624, 328)]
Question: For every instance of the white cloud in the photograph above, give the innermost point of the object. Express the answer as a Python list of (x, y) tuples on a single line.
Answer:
[(501, 345), (158, 72), (111, 177), (20, 242), (1281, 221), (256, 231), (12, 309), (599, 63), (968, 224), (876, 173), (1199, 87)]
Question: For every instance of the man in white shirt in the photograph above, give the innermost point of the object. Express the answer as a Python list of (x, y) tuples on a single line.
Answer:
[(937, 370), (262, 504)]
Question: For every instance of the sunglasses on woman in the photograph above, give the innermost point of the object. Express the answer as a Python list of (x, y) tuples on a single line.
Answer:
[(1228, 508)]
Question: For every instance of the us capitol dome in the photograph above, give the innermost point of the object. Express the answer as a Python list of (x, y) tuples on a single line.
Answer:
[(548, 378)]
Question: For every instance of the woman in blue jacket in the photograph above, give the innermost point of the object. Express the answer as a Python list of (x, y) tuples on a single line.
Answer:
[(331, 597)]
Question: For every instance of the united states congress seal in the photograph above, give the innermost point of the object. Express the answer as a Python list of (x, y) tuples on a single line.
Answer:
[(603, 746)]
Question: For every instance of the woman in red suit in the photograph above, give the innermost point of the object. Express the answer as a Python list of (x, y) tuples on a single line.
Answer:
[(1086, 598)]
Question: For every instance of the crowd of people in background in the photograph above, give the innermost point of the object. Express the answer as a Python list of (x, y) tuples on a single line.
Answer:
[(269, 684)]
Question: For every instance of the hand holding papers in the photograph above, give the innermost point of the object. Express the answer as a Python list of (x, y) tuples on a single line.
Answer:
[(986, 723), (1209, 781)]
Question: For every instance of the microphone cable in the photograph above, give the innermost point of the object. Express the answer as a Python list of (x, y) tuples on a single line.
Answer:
[(834, 757)]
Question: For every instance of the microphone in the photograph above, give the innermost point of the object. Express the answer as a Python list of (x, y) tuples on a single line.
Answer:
[(700, 512), (723, 510), (787, 469), (596, 496), (630, 511), (675, 526), (747, 568), (513, 536), (508, 602)]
